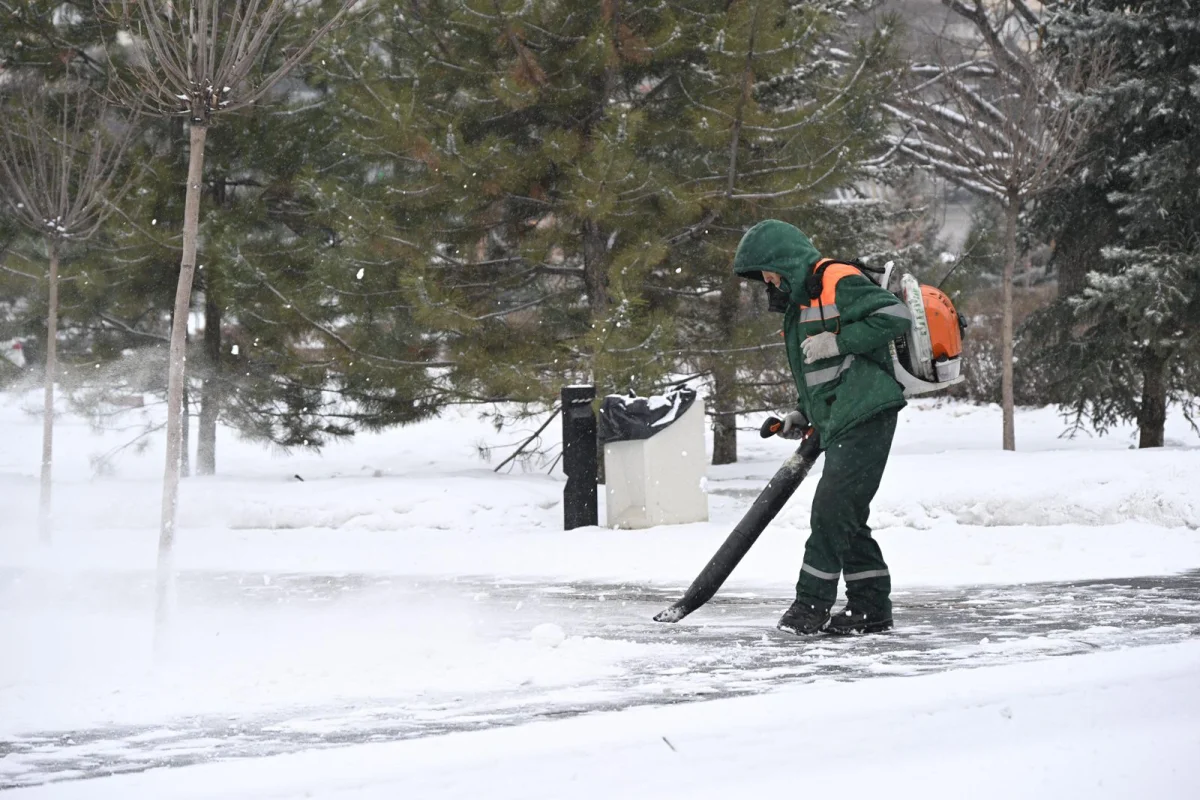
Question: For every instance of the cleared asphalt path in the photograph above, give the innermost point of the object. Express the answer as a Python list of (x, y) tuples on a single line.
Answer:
[(727, 648)]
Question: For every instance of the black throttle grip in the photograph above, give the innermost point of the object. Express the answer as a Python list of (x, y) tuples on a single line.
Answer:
[(770, 427)]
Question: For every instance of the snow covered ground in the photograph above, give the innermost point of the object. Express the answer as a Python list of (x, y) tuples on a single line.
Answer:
[(1112, 725), (398, 577)]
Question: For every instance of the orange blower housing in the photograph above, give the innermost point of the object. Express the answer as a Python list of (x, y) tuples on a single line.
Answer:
[(945, 335), (927, 358)]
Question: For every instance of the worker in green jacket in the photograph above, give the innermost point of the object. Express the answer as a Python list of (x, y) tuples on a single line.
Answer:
[(837, 326)]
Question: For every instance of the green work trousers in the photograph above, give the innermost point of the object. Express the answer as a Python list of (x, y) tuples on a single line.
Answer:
[(841, 543)]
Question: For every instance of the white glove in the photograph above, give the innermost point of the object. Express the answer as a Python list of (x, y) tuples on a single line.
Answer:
[(823, 345), (794, 426)]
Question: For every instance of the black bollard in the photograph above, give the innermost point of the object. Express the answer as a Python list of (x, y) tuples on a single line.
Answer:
[(579, 456)]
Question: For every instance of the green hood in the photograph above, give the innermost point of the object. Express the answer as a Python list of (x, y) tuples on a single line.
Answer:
[(776, 246)]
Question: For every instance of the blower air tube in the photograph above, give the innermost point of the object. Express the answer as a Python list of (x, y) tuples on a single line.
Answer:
[(769, 503)]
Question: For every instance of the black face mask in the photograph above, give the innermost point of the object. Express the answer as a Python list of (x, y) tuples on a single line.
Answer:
[(777, 299)]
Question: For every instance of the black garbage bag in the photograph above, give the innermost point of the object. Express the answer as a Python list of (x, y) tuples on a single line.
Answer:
[(627, 418)]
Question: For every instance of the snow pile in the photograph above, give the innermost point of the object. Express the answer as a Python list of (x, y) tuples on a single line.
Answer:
[(1045, 489), (441, 503)]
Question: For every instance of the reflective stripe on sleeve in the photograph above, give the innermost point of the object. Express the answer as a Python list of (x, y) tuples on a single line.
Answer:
[(814, 313), (895, 310), (825, 576), (870, 573), (820, 376)]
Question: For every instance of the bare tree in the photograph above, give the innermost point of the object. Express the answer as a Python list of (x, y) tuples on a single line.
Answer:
[(199, 59), (990, 114), (62, 171)]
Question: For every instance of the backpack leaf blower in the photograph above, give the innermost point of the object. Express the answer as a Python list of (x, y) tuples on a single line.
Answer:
[(928, 358)]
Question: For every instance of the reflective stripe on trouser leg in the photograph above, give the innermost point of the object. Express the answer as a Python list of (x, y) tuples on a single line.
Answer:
[(816, 573), (870, 573), (841, 540)]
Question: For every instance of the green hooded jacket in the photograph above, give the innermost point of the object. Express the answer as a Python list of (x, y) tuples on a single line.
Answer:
[(841, 392)]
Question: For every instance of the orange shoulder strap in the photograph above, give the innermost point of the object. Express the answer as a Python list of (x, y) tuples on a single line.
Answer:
[(829, 272)]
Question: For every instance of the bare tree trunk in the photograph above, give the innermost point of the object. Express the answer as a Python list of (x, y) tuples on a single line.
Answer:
[(739, 111), (724, 418), (44, 520), (724, 374), (725, 377), (595, 274), (1090, 227), (210, 399), (1152, 415), (595, 280), (185, 429), (1006, 327), (183, 294)]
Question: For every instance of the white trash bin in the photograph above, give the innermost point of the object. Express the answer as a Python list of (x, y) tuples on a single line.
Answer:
[(659, 480)]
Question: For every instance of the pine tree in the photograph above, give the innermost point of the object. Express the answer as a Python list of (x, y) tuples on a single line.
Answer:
[(49, 39), (322, 339), (777, 111), (17, 293), (268, 234), (1126, 337), (520, 207), (564, 183)]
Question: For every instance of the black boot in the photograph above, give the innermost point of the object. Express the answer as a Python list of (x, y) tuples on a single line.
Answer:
[(850, 620), (804, 618)]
